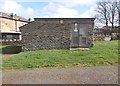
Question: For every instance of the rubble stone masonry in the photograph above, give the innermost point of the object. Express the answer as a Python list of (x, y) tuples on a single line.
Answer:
[(51, 34)]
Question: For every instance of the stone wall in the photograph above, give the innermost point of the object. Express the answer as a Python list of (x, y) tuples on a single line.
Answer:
[(90, 39), (45, 36), (50, 34), (101, 37)]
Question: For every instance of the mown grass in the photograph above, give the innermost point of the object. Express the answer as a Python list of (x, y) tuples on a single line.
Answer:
[(103, 53)]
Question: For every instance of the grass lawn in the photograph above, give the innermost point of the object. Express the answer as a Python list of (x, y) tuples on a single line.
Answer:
[(103, 53)]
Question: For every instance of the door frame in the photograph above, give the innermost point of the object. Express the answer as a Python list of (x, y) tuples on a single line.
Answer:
[(80, 37)]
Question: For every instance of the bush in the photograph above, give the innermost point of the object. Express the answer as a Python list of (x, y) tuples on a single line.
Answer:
[(11, 49)]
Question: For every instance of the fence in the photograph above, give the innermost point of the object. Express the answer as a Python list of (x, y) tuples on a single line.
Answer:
[(99, 37), (8, 42)]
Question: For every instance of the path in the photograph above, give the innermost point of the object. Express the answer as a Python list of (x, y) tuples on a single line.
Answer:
[(5, 56), (72, 75)]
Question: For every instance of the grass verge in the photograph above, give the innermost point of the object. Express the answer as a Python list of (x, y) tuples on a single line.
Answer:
[(103, 53)]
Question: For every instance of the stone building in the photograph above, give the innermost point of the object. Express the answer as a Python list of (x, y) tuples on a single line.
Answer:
[(57, 33), (9, 26)]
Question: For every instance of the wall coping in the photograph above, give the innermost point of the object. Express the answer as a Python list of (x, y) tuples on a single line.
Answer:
[(68, 19)]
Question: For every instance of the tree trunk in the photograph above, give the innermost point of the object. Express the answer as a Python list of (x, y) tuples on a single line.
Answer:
[(119, 17), (119, 12)]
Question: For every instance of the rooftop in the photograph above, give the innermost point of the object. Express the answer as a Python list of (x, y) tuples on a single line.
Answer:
[(37, 19), (13, 17)]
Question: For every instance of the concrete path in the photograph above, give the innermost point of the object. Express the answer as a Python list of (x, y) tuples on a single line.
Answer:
[(6, 56), (73, 75)]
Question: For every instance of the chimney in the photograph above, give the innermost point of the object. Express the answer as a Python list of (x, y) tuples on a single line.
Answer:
[(29, 19), (11, 15)]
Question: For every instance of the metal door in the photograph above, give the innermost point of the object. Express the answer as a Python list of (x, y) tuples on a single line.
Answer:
[(79, 35), (83, 32), (75, 36)]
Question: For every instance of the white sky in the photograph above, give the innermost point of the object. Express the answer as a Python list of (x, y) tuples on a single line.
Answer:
[(50, 8), (53, 8)]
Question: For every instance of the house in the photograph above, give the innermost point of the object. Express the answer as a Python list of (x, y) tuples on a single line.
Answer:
[(98, 30), (9, 26), (57, 33), (101, 33)]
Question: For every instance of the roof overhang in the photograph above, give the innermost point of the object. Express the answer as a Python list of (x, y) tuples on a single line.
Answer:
[(14, 33), (81, 19)]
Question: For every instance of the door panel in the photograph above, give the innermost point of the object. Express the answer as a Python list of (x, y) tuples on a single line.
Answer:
[(74, 36), (83, 31), (79, 38), (74, 39)]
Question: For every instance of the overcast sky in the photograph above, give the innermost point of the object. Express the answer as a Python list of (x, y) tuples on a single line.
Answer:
[(50, 8)]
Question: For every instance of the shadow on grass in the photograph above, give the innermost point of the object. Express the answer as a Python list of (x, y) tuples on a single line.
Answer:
[(11, 49)]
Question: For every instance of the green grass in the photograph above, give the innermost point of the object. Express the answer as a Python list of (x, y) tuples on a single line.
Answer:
[(103, 53)]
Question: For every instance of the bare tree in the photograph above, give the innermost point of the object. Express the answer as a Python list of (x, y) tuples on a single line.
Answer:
[(102, 10), (118, 8), (112, 11), (107, 12)]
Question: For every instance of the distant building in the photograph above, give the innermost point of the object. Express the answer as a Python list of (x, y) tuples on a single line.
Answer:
[(98, 30), (101, 33), (112, 30), (9, 26), (105, 30)]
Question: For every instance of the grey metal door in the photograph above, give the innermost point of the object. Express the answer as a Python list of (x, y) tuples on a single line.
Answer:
[(78, 36), (75, 36), (74, 39), (83, 32)]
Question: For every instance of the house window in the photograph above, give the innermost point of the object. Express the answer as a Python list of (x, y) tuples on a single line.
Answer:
[(9, 37)]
